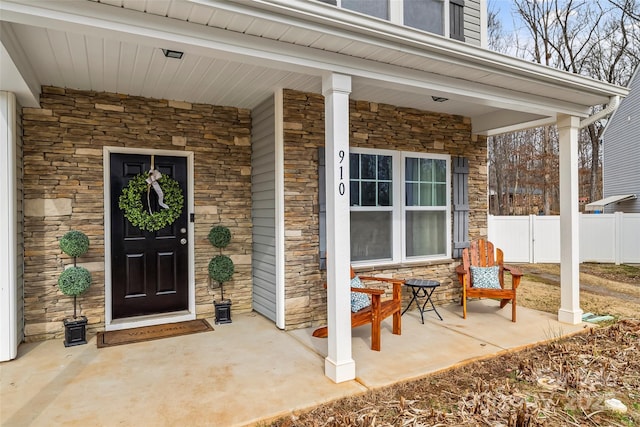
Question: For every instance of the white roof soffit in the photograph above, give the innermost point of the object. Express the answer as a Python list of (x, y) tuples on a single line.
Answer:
[(515, 93), (599, 205), (344, 23)]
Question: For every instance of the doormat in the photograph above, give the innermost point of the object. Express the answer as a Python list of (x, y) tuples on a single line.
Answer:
[(148, 333)]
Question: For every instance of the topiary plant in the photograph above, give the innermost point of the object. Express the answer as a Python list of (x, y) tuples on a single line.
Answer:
[(73, 282), (74, 243), (221, 267), (220, 236)]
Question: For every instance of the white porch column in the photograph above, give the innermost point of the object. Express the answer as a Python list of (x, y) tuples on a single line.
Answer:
[(570, 311), (338, 365), (8, 223)]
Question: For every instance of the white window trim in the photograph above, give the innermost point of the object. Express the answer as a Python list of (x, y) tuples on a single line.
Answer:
[(398, 208)]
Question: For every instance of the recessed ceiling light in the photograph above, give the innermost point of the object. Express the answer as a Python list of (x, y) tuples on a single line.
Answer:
[(439, 98), (172, 53)]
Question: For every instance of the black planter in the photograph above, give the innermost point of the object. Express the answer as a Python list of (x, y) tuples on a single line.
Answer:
[(223, 311), (75, 331)]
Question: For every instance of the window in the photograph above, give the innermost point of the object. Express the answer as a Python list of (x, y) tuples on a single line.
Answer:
[(435, 16), (426, 190), (377, 8), (371, 200), (425, 15), (400, 209)]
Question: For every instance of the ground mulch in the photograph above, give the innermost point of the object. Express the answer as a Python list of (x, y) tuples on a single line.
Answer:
[(566, 382)]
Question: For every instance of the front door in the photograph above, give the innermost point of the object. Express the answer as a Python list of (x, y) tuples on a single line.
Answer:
[(149, 270)]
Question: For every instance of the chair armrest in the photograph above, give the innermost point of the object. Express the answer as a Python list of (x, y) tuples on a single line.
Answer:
[(381, 279), (514, 271), (516, 275), (460, 270), (368, 291), (397, 284)]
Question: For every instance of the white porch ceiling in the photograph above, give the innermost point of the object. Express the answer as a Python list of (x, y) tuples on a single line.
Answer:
[(238, 52)]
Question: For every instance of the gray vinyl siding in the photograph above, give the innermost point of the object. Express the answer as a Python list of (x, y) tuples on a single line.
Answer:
[(621, 152), (263, 196), (472, 24), (19, 226)]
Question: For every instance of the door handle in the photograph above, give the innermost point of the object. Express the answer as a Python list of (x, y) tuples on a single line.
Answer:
[(183, 241)]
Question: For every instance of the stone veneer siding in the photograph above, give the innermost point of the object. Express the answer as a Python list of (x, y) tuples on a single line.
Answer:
[(372, 125), (63, 190)]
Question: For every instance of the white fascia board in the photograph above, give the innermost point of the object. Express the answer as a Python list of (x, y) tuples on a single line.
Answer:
[(152, 30), (376, 31), (16, 71)]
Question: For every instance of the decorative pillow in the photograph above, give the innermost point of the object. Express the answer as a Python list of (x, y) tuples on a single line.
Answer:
[(358, 299), (485, 277)]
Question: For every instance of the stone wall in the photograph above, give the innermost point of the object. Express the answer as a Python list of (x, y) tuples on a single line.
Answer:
[(372, 125), (63, 184), (63, 190)]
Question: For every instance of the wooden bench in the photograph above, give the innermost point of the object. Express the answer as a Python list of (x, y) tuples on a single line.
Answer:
[(377, 311), (481, 254)]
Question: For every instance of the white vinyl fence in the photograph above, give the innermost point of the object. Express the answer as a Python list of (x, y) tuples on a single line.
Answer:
[(609, 238)]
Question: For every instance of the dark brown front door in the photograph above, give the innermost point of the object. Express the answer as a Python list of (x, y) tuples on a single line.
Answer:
[(149, 270)]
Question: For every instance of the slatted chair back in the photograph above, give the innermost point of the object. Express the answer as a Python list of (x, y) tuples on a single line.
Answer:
[(482, 253)]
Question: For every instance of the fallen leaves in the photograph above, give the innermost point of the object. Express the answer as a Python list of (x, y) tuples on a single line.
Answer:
[(563, 383)]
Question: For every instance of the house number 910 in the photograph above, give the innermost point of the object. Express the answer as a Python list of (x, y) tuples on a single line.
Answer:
[(341, 186)]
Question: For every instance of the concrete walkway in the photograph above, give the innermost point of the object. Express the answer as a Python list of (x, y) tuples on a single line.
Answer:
[(245, 372)]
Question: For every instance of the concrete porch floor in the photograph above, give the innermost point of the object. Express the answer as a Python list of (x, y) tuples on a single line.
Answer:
[(245, 372)]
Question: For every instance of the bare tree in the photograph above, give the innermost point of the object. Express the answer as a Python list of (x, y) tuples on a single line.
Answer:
[(628, 8), (600, 39)]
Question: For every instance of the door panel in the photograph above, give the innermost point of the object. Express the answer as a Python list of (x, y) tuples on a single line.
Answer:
[(149, 269)]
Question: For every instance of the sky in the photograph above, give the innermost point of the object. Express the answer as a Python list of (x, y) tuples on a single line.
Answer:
[(505, 9)]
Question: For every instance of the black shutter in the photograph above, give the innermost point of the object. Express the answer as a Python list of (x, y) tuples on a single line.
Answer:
[(460, 205), (322, 209), (456, 19)]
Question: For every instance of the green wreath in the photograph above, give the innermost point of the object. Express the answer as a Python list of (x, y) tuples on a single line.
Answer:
[(131, 203)]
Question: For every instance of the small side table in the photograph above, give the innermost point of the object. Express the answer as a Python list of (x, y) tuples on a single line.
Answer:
[(422, 289)]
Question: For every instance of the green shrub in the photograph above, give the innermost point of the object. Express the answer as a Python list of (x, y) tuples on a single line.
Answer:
[(221, 268), (74, 281), (219, 236), (74, 243)]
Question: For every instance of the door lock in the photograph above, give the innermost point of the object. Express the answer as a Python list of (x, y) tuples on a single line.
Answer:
[(183, 241)]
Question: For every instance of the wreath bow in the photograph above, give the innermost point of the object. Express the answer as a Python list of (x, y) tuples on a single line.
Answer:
[(152, 180), (170, 197)]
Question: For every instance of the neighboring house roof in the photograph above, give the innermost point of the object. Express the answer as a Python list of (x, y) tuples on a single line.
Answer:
[(599, 205), (237, 52)]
